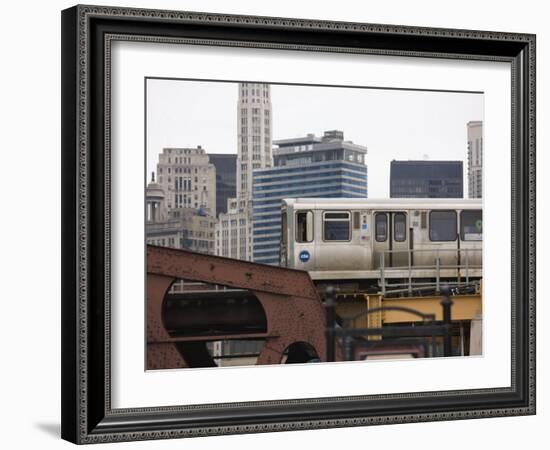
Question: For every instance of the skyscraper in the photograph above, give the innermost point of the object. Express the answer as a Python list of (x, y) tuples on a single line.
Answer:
[(254, 119), (475, 159), (254, 134), (426, 179), (187, 178), (309, 166)]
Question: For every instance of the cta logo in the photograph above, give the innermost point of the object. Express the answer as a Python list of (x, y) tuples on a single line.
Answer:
[(304, 256)]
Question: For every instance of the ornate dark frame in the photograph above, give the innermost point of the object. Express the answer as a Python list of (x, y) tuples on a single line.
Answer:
[(87, 31)]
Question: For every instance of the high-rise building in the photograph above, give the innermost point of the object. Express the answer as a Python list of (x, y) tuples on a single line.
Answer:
[(181, 202), (234, 231), (254, 120), (226, 168), (188, 179), (426, 179), (184, 228), (309, 166), (475, 159), (190, 228)]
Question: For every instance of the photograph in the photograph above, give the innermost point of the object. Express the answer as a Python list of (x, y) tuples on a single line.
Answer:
[(296, 223)]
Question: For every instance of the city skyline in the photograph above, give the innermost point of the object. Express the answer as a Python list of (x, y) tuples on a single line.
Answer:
[(432, 125)]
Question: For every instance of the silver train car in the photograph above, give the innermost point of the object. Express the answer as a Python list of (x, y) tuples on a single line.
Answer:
[(350, 239)]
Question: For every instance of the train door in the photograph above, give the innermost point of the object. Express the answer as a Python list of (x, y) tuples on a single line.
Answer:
[(391, 239), (400, 239), (304, 240)]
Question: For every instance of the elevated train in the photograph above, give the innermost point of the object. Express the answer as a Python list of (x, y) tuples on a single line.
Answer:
[(389, 239)]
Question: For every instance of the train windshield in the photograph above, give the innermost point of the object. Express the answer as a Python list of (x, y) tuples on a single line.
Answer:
[(443, 226), (471, 225)]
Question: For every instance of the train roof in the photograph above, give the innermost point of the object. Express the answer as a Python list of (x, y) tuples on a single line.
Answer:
[(385, 203)]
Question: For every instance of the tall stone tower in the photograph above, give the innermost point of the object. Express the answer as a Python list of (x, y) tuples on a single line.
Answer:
[(254, 119), (254, 134)]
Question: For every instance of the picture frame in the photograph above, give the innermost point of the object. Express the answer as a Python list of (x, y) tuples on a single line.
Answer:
[(88, 33)]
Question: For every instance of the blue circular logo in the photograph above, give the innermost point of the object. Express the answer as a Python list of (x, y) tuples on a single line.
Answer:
[(304, 256)]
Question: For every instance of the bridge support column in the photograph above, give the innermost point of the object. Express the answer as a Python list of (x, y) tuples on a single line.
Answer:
[(161, 353), (290, 320)]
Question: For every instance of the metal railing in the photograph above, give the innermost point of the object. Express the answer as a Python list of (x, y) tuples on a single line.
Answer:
[(351, 336), (462, 269)]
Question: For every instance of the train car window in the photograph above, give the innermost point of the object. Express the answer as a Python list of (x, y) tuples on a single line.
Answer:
[(304, 226), (471, 225), (336, 226), (423, 221), (442, 225), (381, 227), (399, 227)]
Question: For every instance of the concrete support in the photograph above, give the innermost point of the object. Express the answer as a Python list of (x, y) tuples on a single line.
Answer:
[(476, 335)]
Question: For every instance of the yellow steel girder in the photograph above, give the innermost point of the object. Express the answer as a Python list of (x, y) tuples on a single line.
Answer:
[(465, 307)]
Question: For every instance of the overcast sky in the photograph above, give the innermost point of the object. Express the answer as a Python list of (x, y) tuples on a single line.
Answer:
[(392, 124)]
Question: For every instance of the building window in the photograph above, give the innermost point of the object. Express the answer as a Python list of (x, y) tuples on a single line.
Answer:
[(443, 226), (336, 226), (381, 227), (471, 225)]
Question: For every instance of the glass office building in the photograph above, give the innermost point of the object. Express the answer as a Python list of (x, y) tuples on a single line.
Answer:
[(324, 167), (426, 179), (226, 186)]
